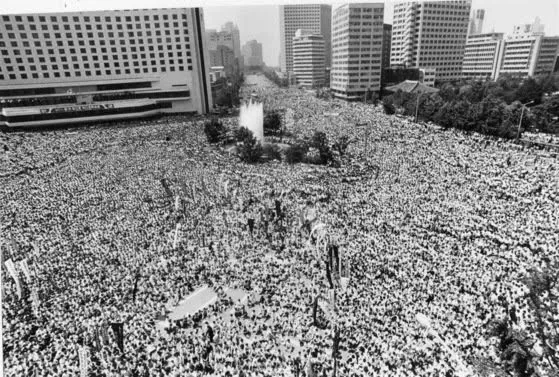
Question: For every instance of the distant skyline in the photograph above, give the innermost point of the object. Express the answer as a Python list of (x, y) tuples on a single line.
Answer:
[(259, 19)]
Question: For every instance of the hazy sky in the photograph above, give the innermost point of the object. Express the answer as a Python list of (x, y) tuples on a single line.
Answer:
[(259, 19)]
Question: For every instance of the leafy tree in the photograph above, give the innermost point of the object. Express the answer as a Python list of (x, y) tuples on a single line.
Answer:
[(214, 130), (530, 90), (242, 133), (320, 142), (341, 144), (388, 105), (271, 152), (447, 92), (250, 150), (296, 152), (272, 123)]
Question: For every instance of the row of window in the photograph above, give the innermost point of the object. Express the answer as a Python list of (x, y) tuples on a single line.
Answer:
[(155, 17), (108, 72), (68, 27)]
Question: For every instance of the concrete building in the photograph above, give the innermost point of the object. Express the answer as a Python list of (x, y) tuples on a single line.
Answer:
[(357, 32), (386, 44), (252, 54), (476, 22), (431, 34), (482, 56), (529, 54), (316, 18), (157, 54), (535, 27), (308, 59), (219, 44), (224, 57), (233, 30)]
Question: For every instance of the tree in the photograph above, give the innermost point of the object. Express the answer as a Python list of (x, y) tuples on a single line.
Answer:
[(320, 142), (214, 130), (341, 144), (532, 351), (447, 92), (530, 90), (388, 105), (250, 150), (272, 123), (296, 152)]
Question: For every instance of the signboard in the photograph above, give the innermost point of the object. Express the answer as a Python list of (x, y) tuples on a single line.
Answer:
[(68, 109)]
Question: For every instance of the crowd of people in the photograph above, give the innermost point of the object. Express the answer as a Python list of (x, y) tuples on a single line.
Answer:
[(429, 222)]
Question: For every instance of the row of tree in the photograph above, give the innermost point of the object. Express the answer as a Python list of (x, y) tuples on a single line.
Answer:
[(229, 93), (484, 107)]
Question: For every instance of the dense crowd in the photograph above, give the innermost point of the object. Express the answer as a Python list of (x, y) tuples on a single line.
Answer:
[(429, 221)]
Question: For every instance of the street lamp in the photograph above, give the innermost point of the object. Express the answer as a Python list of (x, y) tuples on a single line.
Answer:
[(521, 115), (424, 321)]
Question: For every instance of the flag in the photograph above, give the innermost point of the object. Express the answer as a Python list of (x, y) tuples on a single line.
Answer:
[(118, 329)]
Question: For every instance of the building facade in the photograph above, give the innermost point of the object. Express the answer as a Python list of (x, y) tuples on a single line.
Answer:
[(482, 56), (431, 34), (156, 54), (316, 18), (357, 32), (528, 54), (252, 54), (224, 57), (308, 59), (232, 29), (476, 22), (386, 45), (220, 43)]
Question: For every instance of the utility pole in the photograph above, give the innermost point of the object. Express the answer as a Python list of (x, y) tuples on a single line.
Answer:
[(521, 115)]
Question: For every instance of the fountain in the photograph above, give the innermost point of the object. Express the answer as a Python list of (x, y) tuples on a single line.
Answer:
[(252, 117)]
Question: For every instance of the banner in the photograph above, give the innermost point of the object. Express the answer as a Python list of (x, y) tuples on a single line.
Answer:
[(25, 268), (177, 203), (11, 269), (177, 229), (84, 361), (118, 329), (35, 301)]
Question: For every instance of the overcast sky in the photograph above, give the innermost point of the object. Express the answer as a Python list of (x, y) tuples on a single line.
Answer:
[(259, 19)]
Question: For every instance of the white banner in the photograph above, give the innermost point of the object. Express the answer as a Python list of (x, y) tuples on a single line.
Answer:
[(11, 269), (177, 229), (25, 268), (84, 362)]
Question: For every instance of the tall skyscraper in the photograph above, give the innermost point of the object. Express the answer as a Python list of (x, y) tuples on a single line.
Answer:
[(106, 53), (252, 53), (231, 28), (386, 45), (534, 28), (308, 59), (431, 34), (357, 31), (316, 18), (476, 22)]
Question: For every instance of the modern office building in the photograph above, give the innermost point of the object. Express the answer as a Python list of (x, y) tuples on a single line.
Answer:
[(219, 44), (529, 54), (252, 54), (476, 22), (232, 29), (157, 55), (357, 32), (316, 18), (308, 59), (431, 34), (535, 27), (386, 44), (224, 57), (482, 56)]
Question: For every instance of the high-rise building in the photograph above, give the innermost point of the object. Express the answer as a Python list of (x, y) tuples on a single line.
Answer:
[(252, 53), (224, 57), (482, 56), (357, 31), (476, 22), (431, 34), (529, 54), (308, 59), (236, 38), (534, 28), (155, 54), (386, 44), (316, 18)]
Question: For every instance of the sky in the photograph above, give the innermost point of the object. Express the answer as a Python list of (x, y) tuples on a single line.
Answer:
[(259, 19)]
